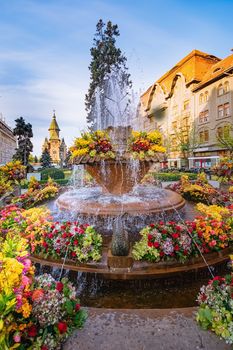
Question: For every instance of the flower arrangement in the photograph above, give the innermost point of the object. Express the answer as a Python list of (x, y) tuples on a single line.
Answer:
[(80, 243), (37, 195), (164, 241), (198, 191), (211, 234), (224, 169), (216, 307), (93, 144), (13, 171), (35, 313), (145, 144)]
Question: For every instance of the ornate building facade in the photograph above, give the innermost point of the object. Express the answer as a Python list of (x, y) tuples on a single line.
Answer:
[(56, 146), (190, 104), (7, 142)]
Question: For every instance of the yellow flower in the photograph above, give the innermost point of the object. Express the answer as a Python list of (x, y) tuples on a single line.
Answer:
[(80, 152), (157, 148), (214, 211), (155, 136)]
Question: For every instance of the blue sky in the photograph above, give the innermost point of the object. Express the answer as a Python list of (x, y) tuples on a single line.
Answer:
[(44, 51)]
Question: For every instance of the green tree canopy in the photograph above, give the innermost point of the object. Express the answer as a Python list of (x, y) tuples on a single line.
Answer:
[(46, 159), (23, 132), (106, 60)]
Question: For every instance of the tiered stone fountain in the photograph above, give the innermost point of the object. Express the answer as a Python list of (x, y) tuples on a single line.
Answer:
[(120, 194)]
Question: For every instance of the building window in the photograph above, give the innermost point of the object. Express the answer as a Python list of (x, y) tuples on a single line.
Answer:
[(201, 99), (226, 87), (204, 117), (220, 90), (220, 111), (204, 136), (206, 96), (226, 108)]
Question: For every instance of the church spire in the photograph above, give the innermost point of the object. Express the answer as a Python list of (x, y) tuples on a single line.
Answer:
[(54, 128)]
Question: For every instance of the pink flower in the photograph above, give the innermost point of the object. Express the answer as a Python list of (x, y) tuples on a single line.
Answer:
[(212, 243), (17, 337)]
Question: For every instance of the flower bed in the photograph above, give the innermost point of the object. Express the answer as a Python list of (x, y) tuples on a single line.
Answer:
[(35, 313), (224, 169), (46, 238), (175, 241), (201, 191), (80, 243), (144, 144), (37, 194), (216, 307)]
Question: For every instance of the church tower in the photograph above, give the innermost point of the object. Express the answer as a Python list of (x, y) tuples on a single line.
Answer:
[(54, 140), (54, 143)]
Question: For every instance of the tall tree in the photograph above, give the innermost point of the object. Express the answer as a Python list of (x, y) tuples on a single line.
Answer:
[(46, 159), (107, 61), (23, 132)]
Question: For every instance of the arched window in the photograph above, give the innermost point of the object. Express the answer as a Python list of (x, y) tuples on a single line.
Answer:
[(201, 99), (220, 91), (206, 96), (226, 86)]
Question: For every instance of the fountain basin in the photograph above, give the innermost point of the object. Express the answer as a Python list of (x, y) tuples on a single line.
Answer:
[(138, 208)]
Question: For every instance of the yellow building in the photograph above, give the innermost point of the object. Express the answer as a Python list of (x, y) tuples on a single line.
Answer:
[(56, 147), (170, 104)]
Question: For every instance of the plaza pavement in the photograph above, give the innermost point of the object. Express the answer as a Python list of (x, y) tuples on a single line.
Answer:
[(171, 329)]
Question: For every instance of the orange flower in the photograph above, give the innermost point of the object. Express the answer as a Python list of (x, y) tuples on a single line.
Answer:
[(37, 294)]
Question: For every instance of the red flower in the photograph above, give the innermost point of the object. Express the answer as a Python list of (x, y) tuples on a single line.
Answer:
[(44, 347), (152, 225), (176, 248), (76, 242), (150, 244), (45, 245), (73, 254), (62, 327), (156, 244), (64, 235), (59, 286), (32, 331), (175, 235), (161, 254), (77, 307), (150, 237)]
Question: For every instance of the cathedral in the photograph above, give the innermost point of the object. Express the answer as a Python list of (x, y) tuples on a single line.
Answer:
[(56, 146)]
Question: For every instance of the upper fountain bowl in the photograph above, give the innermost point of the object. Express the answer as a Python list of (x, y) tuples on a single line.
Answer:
[(119, 175)]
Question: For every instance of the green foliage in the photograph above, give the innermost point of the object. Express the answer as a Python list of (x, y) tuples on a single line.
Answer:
[(23, 132), (53, 173), (173, 176), (46, 159), (106, 58)]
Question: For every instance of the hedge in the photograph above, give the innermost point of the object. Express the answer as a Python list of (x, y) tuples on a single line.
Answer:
[(173, 176), (53, 173)]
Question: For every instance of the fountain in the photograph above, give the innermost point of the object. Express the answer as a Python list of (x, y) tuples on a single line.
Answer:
[(120, 193)]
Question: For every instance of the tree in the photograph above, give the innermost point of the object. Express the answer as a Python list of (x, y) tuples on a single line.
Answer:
[(225, 138), (46, 159), (184, 140), (107, 62), (35, 159), (23, 132)]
